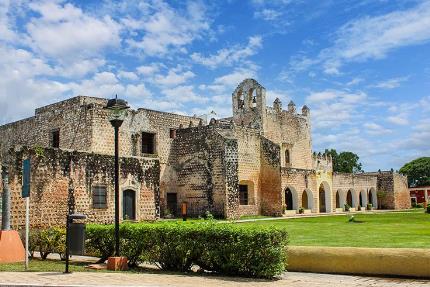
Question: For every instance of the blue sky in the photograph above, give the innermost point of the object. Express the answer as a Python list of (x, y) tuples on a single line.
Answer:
[(363, 67)]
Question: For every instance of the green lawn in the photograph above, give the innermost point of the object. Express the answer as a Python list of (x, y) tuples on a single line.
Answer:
[(37, 265), (393, 229)]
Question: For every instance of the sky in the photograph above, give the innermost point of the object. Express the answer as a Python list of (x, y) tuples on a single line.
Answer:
[(362, 67)]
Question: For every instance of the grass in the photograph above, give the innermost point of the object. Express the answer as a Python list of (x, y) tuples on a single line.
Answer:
[(394, 229), (37, 265)]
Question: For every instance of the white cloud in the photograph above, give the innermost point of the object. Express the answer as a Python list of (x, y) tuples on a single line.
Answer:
[(374, 37), (137, 91), (148, 70), (400, 120), (184, 94), (234, 78), (267, 14), (173, 77), (332, 108), (375, 129), (371, 38), (66, 32), (344, 97), (125, 75), (229, 56), (391, 83), (167, 30)]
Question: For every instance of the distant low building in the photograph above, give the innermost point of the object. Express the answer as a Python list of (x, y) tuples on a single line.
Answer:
[(419, 194)]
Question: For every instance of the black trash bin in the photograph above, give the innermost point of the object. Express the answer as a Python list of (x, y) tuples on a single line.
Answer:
[(77, 238)]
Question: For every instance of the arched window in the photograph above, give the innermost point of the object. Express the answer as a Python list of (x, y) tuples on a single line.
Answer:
[(287, 156), (240, 101)]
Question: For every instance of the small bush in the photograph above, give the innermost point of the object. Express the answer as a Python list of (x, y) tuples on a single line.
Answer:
[(428, 208), (419, 205), (46, 241), (347, 207), (222, 248), (369, 206)]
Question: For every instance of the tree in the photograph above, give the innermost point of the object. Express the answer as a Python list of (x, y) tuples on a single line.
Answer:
[(345, 161), (418, 171)]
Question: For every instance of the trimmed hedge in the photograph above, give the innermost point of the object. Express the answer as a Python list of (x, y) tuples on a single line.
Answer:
[(222, 248)]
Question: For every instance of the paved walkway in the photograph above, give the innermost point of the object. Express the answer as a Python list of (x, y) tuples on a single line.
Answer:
[(290, 279)]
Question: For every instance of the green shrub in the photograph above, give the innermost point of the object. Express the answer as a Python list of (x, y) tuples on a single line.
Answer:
[(222, 248), (46, 241), (419, 205), (428, 208), (369, 206), (347, 207), (100, 241)]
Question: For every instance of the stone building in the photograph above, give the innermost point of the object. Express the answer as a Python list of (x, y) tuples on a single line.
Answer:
[(259, 161)]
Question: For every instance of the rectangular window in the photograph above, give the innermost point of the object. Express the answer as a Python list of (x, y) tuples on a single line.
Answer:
[(55, 138), (148, 143), (99, 197), (172, 133), (243, 194)]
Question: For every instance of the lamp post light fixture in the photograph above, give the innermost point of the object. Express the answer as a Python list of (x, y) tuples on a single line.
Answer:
[(117, 112)]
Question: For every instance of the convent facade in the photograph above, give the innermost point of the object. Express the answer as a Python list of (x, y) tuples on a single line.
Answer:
[(258, 162)]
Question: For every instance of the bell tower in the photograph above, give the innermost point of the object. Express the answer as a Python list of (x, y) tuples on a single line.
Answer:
[(249, 104)]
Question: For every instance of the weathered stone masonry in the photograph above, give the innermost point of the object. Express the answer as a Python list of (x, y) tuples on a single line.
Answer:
[(53, 170), (259, 161)]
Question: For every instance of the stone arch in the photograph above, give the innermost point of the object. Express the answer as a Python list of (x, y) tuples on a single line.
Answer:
[(373, 199), (324, 197), (349, 199), (339, 201), (290, 198), (307, 199), (362, 198)]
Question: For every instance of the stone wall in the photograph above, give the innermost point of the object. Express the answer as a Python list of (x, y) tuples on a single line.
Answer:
[(300, 181), (249, 166), (271, 197), (73, 119), (360, 185), (199, 169), (52, 170)]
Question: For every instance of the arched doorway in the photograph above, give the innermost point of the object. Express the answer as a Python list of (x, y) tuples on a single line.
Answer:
[(307, 199), (129, 204), (349, 198), (373, 198), (337, 199), (322, 192), (288, 199)]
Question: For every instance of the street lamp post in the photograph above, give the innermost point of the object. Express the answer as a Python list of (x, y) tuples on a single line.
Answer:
[(117, 111)]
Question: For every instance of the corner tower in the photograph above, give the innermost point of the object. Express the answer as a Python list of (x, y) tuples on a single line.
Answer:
[(249, 104)]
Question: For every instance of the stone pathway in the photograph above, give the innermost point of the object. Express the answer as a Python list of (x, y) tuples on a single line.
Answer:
[(290, 279)]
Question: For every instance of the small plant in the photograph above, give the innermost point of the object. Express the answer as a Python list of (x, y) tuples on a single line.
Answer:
[(168, 214), (301, 210), (39, 151), (369, 206), (209, 215), (351, 219), (428, 208), (346, 207), (419, 205)]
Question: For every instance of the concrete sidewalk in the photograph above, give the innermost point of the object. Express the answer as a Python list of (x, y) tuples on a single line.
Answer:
[(290, 279)]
